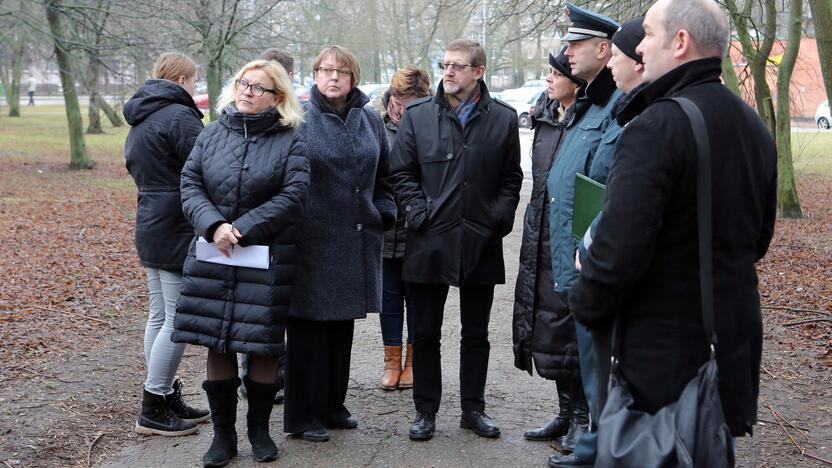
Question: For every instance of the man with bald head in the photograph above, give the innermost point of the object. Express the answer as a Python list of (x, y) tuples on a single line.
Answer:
[(642, 268)]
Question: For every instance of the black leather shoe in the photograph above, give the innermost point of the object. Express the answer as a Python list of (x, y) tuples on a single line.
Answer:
[(313, 435), (568, 461), (480, 423), (279, 397), (570, 440), (557, 427), (423, 427), (348, 422)]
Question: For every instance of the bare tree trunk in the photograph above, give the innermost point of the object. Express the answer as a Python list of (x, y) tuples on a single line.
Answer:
[(214, 79), (787, 199), (11, 78), (822, 16), (729, 76), (94, 112), (113, 116), (78, 159)]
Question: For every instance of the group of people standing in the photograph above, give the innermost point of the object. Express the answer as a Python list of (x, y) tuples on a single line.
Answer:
[(381, 211)]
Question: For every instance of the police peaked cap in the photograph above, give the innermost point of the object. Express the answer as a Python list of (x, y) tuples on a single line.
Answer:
[(585, 24)]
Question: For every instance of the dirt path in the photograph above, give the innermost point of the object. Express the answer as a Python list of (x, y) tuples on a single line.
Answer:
[(69, 395)]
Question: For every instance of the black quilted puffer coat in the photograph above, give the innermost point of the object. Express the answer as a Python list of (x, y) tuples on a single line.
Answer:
[(543, 331), (250, 171)]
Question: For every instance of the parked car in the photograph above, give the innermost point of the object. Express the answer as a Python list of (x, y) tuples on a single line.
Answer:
[(201, 101), (822, 116), (302, 92), (373, 90), (532, 83), (522, 100)]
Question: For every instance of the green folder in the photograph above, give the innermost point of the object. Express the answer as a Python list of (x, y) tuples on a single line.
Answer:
[(589, 200)]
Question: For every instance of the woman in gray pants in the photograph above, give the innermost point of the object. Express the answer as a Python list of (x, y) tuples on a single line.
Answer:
[(165, 123)]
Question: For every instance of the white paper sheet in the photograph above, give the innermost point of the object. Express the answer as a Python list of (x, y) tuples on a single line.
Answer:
[(253, 256)]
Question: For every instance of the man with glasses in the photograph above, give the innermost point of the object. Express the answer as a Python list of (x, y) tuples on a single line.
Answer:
[(456, 171)]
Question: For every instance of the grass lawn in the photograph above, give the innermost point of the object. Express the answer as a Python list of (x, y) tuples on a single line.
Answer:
[(812, 152), (41, 135)]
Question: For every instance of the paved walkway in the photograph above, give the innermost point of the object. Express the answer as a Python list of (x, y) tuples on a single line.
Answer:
[(515, 400)]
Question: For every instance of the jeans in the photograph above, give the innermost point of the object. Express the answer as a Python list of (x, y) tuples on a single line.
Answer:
[(393, 302), (587, 447), (162, 356)]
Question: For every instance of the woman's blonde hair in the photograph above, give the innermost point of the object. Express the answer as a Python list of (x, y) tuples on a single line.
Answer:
[(171, 65), (343, 55), (410, 80), (289, 108)]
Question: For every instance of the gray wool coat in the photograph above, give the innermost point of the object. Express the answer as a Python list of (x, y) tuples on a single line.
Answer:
[(349, 206)]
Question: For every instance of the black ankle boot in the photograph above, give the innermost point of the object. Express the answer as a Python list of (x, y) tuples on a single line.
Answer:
[(156, 418), (181, 409), (260, 402), (222, 398)]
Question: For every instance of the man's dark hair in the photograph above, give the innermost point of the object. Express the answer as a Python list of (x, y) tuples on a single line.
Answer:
[(276, 55), (473, 48)]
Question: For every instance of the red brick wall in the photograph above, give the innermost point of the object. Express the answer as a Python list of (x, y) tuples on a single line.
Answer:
[(806, 92)]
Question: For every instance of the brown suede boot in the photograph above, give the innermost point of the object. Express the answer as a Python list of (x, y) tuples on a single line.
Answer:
[(406, 380), (392, 368)]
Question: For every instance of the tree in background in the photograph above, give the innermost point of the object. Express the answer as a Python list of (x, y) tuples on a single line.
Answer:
[(78, 156)]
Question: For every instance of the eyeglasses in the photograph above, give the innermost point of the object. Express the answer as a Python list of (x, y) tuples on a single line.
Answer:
[(328, 71), (257, 90), (457, 67)]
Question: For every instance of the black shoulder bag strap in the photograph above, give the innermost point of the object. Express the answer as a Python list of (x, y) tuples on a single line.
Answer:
[(703, 210), (704, 223)]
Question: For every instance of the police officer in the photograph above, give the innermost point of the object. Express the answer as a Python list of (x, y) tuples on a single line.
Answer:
[(589, 48)]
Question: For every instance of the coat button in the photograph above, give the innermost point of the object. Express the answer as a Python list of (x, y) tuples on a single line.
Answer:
[(553, 200), (556, 285), (407, 208), (356, 189), (245, 167), (254, 139), (464, 220), (359, 227), (465, 183), (450, 156)]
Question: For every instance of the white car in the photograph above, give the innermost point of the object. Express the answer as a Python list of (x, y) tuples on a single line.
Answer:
[(822, 117), (522, 100), (373, 90)]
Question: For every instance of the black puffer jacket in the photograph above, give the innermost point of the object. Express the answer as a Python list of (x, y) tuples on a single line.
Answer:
[(165, 124), (542, 331), (249, 170)]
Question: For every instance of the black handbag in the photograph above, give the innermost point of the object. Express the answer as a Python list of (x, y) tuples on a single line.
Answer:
[(690, 432)]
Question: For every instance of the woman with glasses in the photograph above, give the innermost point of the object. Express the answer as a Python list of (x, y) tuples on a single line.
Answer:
[(243, 185), (338, 277), (408, 84), (165, 123)]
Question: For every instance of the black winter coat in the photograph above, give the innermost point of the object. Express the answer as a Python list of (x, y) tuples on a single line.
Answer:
[(250, 171), (542, 331), (643, 266), (165, 124), (459, 187), (349, 207)]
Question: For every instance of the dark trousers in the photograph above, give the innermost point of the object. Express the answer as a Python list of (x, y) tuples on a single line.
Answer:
[(393, 302), (428, 303), (317, 373)]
